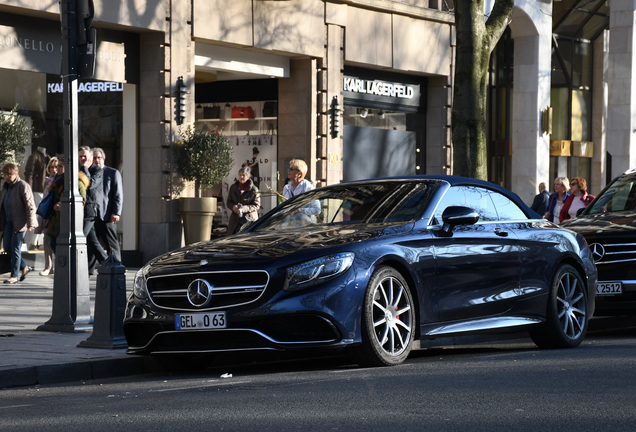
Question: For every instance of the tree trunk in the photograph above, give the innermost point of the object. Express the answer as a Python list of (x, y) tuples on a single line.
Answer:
[(476, 38)]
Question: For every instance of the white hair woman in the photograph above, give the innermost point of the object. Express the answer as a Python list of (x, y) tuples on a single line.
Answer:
[(297, 183)]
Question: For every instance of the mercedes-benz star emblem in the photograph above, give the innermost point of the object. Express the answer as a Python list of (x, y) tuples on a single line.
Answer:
[(598, 251), (199, 292)]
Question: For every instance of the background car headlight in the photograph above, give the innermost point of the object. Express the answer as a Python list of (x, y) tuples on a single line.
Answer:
[(139, 286), (317, 271)]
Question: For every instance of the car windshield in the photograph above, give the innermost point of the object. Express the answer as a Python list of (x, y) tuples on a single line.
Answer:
[(386, 202), (620, 196)]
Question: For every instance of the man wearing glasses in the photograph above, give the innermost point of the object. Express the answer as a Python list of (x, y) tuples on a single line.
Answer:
[(297, 183), (109, 207)]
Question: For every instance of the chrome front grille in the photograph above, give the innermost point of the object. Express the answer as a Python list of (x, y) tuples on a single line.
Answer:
[(611, 253), (229, 289)]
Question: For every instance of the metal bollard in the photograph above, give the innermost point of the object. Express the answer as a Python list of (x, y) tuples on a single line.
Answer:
[(110, 303)]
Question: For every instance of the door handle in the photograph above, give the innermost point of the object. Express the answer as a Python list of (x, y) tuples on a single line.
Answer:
[(501, 233)]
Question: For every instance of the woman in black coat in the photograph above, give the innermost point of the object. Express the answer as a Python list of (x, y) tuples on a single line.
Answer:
[(244, 199)]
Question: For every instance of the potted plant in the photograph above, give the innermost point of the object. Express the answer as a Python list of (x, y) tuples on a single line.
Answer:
[(204, 157), (15, 134)]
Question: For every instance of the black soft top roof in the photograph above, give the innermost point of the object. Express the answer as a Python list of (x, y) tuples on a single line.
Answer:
[(465, 181)]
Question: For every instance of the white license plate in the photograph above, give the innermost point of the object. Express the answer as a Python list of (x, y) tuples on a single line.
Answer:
[(609, 288), (200, 321)]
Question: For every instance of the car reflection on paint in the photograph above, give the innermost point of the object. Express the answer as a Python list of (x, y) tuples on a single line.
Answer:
[(371, 267), (609, 226)]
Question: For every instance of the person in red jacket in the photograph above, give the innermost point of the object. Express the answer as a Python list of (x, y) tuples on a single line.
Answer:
[(578, 199)]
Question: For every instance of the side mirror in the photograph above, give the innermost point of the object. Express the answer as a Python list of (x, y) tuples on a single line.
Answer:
[(458, 215)]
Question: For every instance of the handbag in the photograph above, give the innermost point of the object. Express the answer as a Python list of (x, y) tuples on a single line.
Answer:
[(5, 263), (270, 109), (213, 112), (45, 209), (243, 112)]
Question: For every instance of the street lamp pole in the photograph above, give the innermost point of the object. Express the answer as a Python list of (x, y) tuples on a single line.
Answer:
[(71, 293)]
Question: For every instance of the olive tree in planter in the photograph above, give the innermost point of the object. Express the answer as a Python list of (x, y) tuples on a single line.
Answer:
[(15, 134), (204, 157)]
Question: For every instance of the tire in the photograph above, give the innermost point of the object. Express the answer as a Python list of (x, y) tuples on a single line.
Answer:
[(388, 320), (566, 318)]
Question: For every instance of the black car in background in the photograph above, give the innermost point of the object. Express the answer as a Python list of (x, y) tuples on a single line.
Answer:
[(371, 267), (609, 226)]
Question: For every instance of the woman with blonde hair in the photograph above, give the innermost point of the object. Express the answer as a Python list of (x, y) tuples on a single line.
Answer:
[(53, 229), (555, 203), (51, 170)]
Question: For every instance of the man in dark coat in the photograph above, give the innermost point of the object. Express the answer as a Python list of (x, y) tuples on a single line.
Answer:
[(540, 202), (110, 207)]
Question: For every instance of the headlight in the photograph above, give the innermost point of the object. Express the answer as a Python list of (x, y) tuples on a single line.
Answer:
[(317, 271), (139, 286)]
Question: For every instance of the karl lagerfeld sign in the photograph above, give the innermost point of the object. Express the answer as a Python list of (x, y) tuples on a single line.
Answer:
[(88, 87), (378, 88), (361, 90)]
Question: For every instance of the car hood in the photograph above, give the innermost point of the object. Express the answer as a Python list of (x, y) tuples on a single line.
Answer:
[(618, 223), (260, 247)]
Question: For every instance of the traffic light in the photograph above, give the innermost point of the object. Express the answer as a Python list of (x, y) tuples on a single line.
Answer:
[(180, 111), (335, 117), (86, 38)]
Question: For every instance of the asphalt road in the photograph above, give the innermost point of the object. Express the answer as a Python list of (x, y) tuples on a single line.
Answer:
[(495, 387)]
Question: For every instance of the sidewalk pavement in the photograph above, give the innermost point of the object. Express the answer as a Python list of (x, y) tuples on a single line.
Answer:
[(30, 357)]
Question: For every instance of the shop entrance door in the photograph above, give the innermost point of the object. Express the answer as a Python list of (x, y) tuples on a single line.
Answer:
[(374, 153)]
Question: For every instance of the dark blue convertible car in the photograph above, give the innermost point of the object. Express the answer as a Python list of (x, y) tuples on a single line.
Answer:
[(371, 267)]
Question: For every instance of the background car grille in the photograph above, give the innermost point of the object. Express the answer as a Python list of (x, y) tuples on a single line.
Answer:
[(228, 289), (616, 253)]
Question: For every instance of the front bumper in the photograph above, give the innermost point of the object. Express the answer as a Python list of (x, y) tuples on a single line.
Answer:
[(271, 333), (326, 315)]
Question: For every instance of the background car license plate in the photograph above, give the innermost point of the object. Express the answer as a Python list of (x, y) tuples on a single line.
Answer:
[(609, 288), (200, 321)]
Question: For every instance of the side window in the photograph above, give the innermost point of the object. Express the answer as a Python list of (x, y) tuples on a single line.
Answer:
[(507, 209), (479, 200), (468, 196), (620, 197)]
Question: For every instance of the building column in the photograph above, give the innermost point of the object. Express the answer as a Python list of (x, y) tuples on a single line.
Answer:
[(332, 150), (296, 121), (599, 114), (438, 127), (164, 57), (621, 82), (531, 30)]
